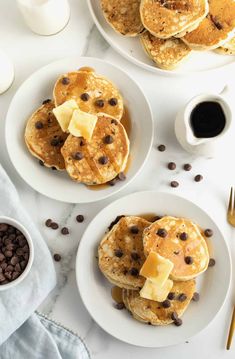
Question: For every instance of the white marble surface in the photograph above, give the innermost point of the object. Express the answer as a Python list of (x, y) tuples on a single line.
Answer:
[(166, 95)]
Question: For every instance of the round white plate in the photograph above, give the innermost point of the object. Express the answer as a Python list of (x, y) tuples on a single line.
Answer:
[(94, 289), (133, 51), (29, 97)]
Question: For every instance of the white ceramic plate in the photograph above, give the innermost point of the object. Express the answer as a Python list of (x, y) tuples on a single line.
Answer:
[(213, 285), (132, 50), (38, 87)]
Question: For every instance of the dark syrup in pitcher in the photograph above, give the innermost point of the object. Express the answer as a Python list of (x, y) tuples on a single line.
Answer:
[(207, 119)]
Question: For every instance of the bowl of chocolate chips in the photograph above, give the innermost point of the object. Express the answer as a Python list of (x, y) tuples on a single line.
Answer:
[(16, 252)]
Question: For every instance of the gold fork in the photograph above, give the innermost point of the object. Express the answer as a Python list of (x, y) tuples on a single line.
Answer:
[(231, 220)]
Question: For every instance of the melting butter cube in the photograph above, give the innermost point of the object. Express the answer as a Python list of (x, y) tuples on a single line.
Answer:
[(64, 112), (82, 124), (156, 268), (155, 292)]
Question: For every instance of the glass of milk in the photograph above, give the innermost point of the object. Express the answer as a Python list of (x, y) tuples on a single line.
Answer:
[(45, 17), (6, 72)]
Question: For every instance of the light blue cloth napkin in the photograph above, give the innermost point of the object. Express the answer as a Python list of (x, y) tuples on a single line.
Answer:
[(37, 337)]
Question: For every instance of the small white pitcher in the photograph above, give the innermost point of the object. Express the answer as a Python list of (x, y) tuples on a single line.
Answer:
[(6, 72), (184, 132)]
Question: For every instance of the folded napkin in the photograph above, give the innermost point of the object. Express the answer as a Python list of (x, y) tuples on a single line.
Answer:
[(37, 337)]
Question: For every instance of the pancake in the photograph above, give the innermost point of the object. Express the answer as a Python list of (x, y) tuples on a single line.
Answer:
[(123, 16), (121, 253), (166, 53), (149, 311), (44, 137), (176, 249), (228, 48), (216, 29), (92, 168), (188, 29), (166, 18), (99, 94)]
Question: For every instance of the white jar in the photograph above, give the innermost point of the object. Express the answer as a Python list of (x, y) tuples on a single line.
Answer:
[(45, 17), (6, 72)]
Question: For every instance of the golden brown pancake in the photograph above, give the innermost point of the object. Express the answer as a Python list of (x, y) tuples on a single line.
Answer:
[(166, 53), (228, 48), (152, 312), (97, 161), (123, 16), (121, 253), (216, 29), (93, 93), (166, 18), (44, 137), (182, 243)]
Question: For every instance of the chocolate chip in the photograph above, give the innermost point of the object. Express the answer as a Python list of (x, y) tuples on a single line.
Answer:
[(82, 142), (3, 227), (118, 253), (187, 167), (113, 101), (85, 96), (116, 220), (112, 182), (119, 306), (183, 236), (198, 178), (65, 231), (103, 160), (188, 260), (161, 148), (48, 222), (54, 168), (57, 257), (208, 233), (55, 142), (14, 260), (171, 296), (54, 225), (46, 101), (8, 254), (78, 156), (99, 103), (211, 262), (15, 275), (134, 230), (108, 140), (196, 297), (174, 316), (121, 176), (171, 166), (2, 257), (38, 125), (135, 256), (174, 184), (41, 163), (114, 122), (134, 272), (182, 297), (80, 218), (17, 267), (162, 232), (65, 81), (2, 278), (166, 303), (178, 322)]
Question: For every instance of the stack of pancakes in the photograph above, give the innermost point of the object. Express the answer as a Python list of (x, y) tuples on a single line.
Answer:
[(93, 162), (124, 249), (170, 29)]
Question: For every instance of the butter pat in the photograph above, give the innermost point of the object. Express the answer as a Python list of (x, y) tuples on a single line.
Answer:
[(155, 292), (82, 124), (64, 112), (156, 268)]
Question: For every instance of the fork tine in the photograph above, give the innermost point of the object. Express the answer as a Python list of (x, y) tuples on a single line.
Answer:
[(230, 206)]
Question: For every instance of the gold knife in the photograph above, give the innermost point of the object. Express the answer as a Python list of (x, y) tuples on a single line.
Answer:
[(231, 330)]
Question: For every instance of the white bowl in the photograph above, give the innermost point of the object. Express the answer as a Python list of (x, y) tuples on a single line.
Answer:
[(24, 231)]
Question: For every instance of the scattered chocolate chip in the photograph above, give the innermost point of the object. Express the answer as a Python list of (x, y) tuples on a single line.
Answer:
[(48, 222), (171, 166), (198, 178), (174, 316), (121, 176), (196, 297), (85, 96), (41, 163), (119, 306), (112, 182), (171, 296), (57, 257), (134, 229), (183, 236), (54, 168), (135, 256), (211, 262), (182, 297), (64, 231), (108, 140), (54, 225), (78, 156), (178, 322), (55, 142), (162, 232), (188, 260), (161, 148), (134, 272), (166, 303), (118, 253), (187, 167), (65, 81), (38, 125), (114, 122), (99, 103), (46, 101), (103, 160), (80, 218), (208, 233), (113, 101), (174, 184), (116, 220)]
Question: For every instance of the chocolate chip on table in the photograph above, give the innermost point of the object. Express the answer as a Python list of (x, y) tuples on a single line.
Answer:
[(48, 222), (135, 256), (57, 257), (182, 297), (174, 316), (174, 184), (41, 163), (208, 233), (161, 148), (211, 262), (46, 101), (121, 176), (178, 322), (85, 96), (134, 229), (80, 218), (64, 231), (187, 167), (171, 296), (188, 260), (99, 103), (108, 139), (54, 225), (113, 101), (171, 166), (38, 125), (198, 178), (134, 272), (118, 253), (65, 81), (115, 221), (166, 303), (119, 306), (162, 232), (78, 156), (196, 297), (103, 160), (183, 236), (55, 142)]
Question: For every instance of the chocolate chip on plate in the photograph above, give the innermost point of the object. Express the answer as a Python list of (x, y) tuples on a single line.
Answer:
[(64, 231), (162, 232), (174, 184), (118, 253), (108, 139), (121, 176), (54, 168), (187, 167), (103, 160), (99, 103), (188, 260), (54, 225), (38, 125), (119, 306), (85, 96), (78, 156), (208, 233), (113, 101), (135, 256), (178, 322), (211, 262), (46, 101), (57, 257), (134, 230), (161, 148), (65, 81), (41, 163), (166, 303), (171, 296), (80, 218), (171, 166), (183, 236), (112, 182), (48, 222), (196, 297), (134, 272), (182, 297), (198, 178), (115, 221)]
